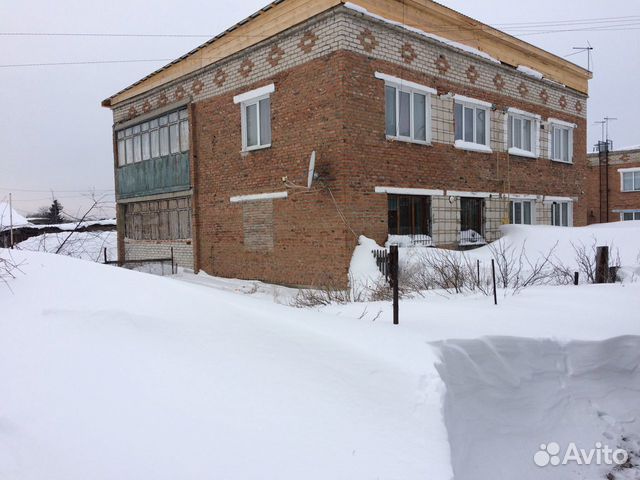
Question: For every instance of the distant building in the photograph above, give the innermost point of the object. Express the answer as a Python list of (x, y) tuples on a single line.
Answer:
[(438, 133), (614, 185)]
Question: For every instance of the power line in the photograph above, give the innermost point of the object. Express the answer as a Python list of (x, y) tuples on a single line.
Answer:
[(84, 62), (514, 26), (85, 190)]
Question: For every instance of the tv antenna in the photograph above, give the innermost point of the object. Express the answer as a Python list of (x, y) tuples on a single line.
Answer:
[(312, 170), (588, 49)]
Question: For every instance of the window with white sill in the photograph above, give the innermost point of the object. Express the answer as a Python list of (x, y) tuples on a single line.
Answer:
[(521, 212), (256, 117), (561, 143), (472, 124), (631, 180), (407, 113), (627, 216), (522, 134), (561, 214)]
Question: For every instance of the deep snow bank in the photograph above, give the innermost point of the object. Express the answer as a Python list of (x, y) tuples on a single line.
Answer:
[(507, 396)]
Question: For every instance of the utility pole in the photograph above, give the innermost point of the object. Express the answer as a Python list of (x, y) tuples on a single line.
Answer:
[(10, 222)]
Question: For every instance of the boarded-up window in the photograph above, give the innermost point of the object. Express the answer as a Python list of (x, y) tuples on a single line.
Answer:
[(257, 223), (159, 220)]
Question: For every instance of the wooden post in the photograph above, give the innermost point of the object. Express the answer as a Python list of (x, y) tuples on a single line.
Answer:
[(393, 266), (576, 278), (602, 265), (493, 275)]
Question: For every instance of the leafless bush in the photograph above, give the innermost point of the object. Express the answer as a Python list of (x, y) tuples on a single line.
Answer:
[(451, 271), (8, 268), (330, 293)]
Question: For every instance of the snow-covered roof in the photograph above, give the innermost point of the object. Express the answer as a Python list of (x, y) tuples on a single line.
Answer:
[(7, 218), (67, 227)]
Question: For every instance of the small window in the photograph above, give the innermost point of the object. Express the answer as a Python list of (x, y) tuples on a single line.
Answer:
[(471, 123), (164, 141), (256, 124), (631, 181), (122, 159), (522, 135), (560, 214), (174, 137), (521, 212), (627, 216), (561, 147), (146, 147), (184, 136), (407, 114), (409, 215)]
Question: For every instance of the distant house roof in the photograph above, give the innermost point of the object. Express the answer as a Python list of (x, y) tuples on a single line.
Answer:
[(425, 15), (7, 219)]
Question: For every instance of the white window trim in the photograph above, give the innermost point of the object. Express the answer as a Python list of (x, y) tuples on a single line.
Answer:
[(474, 103), (622, 171), (409, 191), (253, 94), (246, 99), (569, 212), (523, 199), (535, 125), (457, 193), (258, 197), (622, 212), (390, 79), (554, 122), (410, 87)]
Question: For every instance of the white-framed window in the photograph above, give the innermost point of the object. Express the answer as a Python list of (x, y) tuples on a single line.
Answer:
[(407, 110), (162, 136), (561, 214), (630, 215), (561, 140), (472, 124), (521, 212), (630, 179), (523, 133), (255, 107)]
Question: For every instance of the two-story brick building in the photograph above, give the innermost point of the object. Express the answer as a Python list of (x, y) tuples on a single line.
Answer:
[(613, 184), (424, 122)]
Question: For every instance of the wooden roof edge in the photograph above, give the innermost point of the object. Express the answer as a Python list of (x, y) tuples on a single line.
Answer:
[(500, 45)]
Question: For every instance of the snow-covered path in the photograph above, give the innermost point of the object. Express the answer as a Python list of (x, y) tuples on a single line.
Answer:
[(108, 373)]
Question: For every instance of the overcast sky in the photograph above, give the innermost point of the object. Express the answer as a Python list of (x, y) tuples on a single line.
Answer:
[(56, 137)]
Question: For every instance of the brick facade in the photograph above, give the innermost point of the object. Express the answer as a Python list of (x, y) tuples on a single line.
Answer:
[(327, 99), (619, 201)]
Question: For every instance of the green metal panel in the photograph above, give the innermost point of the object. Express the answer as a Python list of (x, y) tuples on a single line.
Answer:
[(151, 177)]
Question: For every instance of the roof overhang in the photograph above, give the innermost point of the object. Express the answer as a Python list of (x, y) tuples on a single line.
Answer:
[(425, 15)]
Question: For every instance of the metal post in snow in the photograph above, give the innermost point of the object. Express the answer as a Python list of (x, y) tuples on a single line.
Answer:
[(493, 274), (172, 272), (478, 267), (393, 264), (10, 222), (105, 255), (576, 278), (602, 265)]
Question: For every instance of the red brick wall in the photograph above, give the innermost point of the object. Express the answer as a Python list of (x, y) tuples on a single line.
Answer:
[(310, 243), (372, 160), (618, 200), (335, 105)]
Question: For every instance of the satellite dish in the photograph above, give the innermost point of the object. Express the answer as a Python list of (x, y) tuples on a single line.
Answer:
[(312, 169)]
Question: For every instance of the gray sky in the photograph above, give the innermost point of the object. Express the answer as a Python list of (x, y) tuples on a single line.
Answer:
[(56, 137)]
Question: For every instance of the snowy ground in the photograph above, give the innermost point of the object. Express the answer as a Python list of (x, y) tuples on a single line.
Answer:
[(108, 373), (84, 245)]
